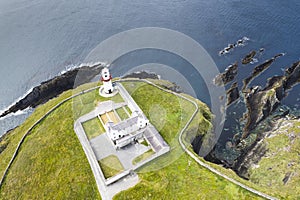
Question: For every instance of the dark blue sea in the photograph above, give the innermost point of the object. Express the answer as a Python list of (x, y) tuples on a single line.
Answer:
[(39, 38)]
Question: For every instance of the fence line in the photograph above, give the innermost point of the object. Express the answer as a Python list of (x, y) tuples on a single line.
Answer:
[(192, 155), (33, 126)]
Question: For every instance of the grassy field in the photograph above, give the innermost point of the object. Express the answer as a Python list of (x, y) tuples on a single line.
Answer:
[(117, 98), (175, 175), (52, 164), (128, 110), (279, 170), (111, 166), (122, 114), (93, 128)]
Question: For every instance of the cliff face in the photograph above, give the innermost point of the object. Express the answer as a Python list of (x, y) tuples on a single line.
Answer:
[(55, 86), (262, 102), (249, 146)]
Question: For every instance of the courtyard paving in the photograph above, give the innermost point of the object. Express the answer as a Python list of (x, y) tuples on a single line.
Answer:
[(103, 147)]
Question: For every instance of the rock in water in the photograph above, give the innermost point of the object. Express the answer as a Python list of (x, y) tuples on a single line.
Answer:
[(259, 69), (55, 86), (262, 102), (227, 76), (232, 94), (292, 76), (248, 58)]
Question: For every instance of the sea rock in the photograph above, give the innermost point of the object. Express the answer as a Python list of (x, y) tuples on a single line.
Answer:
[(261, 50), (261, 103), (259, 69), (230, 47), (55, 86), (249, 57), (227, 76), (232, 94), (248, 146), (292, 76)]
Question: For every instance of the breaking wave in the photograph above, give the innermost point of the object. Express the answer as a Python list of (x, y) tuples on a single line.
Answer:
[(90, 64)]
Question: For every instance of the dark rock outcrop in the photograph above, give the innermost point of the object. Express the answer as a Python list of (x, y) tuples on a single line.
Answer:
[(227, 76), (248, 145), (55, 86), (211, 157), (173, 87), (286, 177), (262, 102), (248, 58), (232, 94), (259, 69), (230, 47), (292, 76), (250, 155)]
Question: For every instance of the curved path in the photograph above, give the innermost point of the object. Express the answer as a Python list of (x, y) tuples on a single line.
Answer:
[(196, 158), (191, 154)]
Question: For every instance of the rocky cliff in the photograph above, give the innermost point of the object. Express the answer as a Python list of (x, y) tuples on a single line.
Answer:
[(55, 86)]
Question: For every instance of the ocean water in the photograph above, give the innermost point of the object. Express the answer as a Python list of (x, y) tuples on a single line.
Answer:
[(39, 38)]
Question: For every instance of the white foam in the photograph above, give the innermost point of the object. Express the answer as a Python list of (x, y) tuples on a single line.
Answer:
[(239, 43), (254, 60), (18, 99), (67, 68), (90, 64), (18, 113)]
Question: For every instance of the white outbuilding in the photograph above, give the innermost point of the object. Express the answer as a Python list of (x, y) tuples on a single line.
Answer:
[(128, 130)]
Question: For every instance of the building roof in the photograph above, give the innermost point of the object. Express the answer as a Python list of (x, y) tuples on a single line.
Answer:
[(124, 124)]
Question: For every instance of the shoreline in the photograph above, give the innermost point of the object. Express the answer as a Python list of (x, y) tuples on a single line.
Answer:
[(68, 75)]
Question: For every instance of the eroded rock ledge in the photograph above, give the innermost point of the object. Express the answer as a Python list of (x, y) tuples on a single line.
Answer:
[(262, 102), (55, 86), (247, 146)]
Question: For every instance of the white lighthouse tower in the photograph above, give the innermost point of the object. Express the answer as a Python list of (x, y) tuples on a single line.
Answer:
[(106, 80), (107, 89)]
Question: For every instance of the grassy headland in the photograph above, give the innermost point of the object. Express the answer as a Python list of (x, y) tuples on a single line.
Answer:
[(52, 165)]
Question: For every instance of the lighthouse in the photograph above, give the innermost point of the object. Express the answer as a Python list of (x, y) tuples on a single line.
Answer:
[(106, 80)]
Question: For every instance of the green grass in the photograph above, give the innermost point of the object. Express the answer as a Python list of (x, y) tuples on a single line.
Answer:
[(122, 114), (52, 165), (175, 175), (117, 98), (282, 158), (142, 157), (144, 142), (111, 166), (93, 128), (128, 110)]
